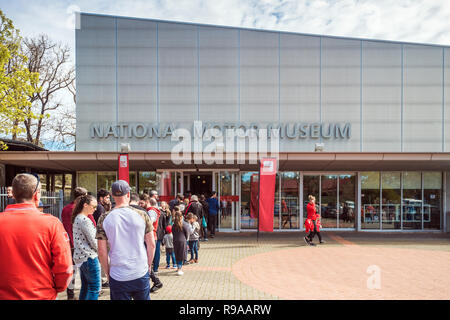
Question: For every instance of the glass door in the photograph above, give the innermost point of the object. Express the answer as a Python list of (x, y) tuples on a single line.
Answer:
[(249, 200), (335, 198), (228, 199)]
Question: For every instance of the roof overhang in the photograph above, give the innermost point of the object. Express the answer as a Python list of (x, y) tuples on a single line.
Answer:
[(69, 161)]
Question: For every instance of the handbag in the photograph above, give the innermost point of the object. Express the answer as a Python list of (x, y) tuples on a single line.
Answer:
[(204, 225)]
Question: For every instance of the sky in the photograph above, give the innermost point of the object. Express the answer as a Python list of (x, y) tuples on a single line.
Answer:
[(420, 21)]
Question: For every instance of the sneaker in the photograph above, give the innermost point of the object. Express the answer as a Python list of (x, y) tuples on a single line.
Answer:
[(156, 286), (180, 273), (206, 239), (174, 267), (167, 267), (211, 236), (307, 240), (312, 244), (322, 241)]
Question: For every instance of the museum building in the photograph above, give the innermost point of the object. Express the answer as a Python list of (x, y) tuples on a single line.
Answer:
[(361, 124)]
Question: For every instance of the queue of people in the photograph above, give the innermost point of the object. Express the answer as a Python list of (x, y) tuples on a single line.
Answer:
[(115, 244)]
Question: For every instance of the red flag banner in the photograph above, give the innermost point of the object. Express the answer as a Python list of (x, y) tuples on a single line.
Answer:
[(267, 176), (124, 168)]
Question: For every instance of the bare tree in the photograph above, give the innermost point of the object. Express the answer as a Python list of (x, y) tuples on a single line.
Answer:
[(56, 74)]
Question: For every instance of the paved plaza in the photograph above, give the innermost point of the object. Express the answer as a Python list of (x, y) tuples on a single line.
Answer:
[(349, 265)]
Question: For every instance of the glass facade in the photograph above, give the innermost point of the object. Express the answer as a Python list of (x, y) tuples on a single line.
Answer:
[(389, 200), (408, 200)]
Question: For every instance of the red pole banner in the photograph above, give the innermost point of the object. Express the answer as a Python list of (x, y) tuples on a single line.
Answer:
[(124, 168), (267, 176)]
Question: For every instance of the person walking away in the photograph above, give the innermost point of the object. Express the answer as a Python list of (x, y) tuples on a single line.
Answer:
[(204, 222), (180, 232), (9, 196), (126, 229), (85, 247), (213, 208), (311, 224), (168, 243), (193, 237), (36, 262), (66, 218)]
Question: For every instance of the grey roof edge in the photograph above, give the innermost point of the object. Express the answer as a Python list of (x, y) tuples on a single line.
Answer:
[(265, 30)]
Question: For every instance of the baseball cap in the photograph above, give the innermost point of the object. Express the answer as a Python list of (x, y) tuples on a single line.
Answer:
[(169, 229), (120, 188)]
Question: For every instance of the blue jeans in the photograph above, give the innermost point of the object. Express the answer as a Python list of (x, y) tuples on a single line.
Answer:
[(137, 289), (90, 279), (157, 256), (194, 249), (170, 255), (179, 264)]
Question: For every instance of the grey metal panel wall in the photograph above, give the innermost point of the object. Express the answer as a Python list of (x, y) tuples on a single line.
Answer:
[(96, 85), (259, 77), (299, 85), (170, 72), (137, 76), (381, 96), (340, 80), (219, 74), (177, 76), (446, 93), (422, 111)]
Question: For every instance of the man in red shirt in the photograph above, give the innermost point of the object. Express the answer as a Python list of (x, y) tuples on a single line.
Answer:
[(66, 217), (35, 246)]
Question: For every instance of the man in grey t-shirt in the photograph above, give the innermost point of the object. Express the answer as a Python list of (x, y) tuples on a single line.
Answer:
[(125, 229)]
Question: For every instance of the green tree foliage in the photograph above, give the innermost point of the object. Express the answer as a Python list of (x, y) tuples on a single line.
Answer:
[(17, 83)]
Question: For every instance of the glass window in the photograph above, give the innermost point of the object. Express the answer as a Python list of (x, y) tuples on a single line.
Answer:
[(432, 185), (311, 186), (226, 189), (249, 200), (391, 197), (133, 177), (88, 180), (290, 201), (412, 200), (276, 203), (370, 200), (43, 181), (347, 201), (328, 205), (149, 180), (58, 182), (105, 179)]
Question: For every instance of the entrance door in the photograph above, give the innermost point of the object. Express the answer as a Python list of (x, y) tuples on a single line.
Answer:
[(335, 198), (201, 184), (226, 184)]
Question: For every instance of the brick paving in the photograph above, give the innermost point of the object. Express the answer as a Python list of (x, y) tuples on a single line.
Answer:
[(235, 266)]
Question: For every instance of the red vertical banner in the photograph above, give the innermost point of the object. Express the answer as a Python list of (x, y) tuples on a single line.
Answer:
[(124, 168), (267, 177)]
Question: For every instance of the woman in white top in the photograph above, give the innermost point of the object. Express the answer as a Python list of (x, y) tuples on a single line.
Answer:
[(85, 247)]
